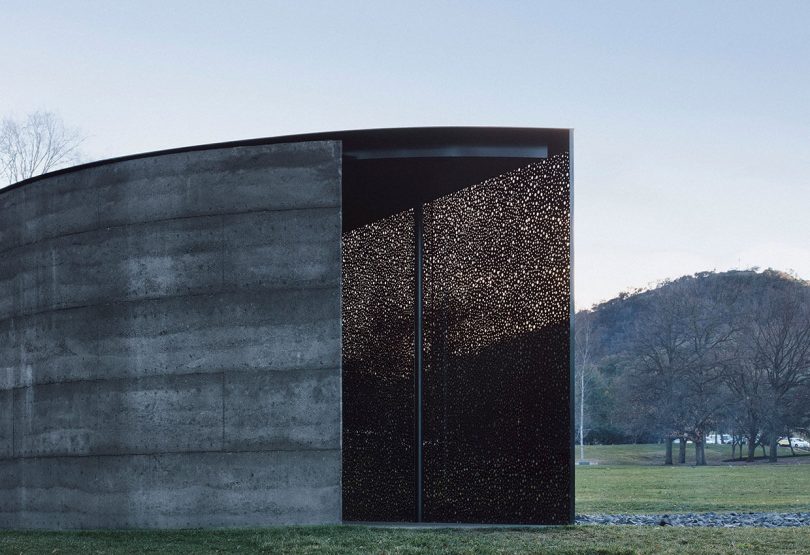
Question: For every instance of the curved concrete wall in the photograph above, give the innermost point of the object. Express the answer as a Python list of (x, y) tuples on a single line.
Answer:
[(170, 342)]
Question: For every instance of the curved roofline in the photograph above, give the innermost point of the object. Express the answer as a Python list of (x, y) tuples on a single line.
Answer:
[(556, 139)]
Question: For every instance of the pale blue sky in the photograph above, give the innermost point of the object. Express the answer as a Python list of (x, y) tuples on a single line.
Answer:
[(692, 119)]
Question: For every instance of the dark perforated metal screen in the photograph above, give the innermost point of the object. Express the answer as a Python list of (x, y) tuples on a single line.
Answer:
[(379, 406), (494, 419)]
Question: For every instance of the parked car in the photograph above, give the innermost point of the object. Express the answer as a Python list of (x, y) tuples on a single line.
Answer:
[(715, 438), (797, 443), (800, 443)]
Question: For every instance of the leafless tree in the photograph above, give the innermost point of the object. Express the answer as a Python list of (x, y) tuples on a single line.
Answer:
[(770, 377), (583, 367), (680, 350), (657, 369), (37, 144), (780, 337), (746, 379), (711, 328)]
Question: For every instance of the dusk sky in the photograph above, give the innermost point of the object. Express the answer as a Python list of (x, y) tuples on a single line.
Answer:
[(691, 119)]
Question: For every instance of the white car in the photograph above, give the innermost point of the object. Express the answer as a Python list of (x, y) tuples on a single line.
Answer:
[(800, 443), (714, 439)]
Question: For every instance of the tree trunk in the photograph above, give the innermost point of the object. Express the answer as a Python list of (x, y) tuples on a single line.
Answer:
[(582, 415), (700, 455), (668, 458), (752, 445), (790, 444), (773, 447), (764, 454), (682, 451)]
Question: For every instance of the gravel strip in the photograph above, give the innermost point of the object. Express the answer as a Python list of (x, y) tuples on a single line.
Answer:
[(720, 520)]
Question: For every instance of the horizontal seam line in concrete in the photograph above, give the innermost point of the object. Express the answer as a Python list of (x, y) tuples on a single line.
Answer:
[(169, 297), (163, 220), (178, 375), (222, 146), (154, 453)]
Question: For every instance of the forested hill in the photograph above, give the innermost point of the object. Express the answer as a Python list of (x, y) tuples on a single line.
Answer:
[(614, 320), (642, 352)]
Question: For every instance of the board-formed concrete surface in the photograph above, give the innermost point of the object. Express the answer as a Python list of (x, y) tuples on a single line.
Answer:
[(170, 345)]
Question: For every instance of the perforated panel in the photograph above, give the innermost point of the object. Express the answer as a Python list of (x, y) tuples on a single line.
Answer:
[(496, 351), (496, 393), (379, 457)]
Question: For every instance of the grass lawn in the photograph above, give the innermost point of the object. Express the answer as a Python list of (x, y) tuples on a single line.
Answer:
[(632, 479), (339, 540), (661, 489), (653, 454), (629, 478)]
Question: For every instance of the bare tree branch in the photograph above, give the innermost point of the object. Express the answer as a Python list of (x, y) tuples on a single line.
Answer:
[(36, 145)]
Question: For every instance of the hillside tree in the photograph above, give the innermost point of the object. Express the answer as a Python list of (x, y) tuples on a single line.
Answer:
[(780, 340), (680, 350)]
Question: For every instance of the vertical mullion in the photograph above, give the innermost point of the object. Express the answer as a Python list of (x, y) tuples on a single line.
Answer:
[(418, 342)]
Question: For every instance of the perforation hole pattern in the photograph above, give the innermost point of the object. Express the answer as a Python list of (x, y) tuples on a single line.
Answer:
[(379, 464), (496, 332), (497, 426)]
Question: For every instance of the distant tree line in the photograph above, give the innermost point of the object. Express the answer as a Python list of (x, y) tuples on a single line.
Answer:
[(712, 352)]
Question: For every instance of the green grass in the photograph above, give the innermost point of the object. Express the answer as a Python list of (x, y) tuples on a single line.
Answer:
[(629, 479), (653, 454), (340, 540), (649, 453), (663, 489), (633, 479)]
